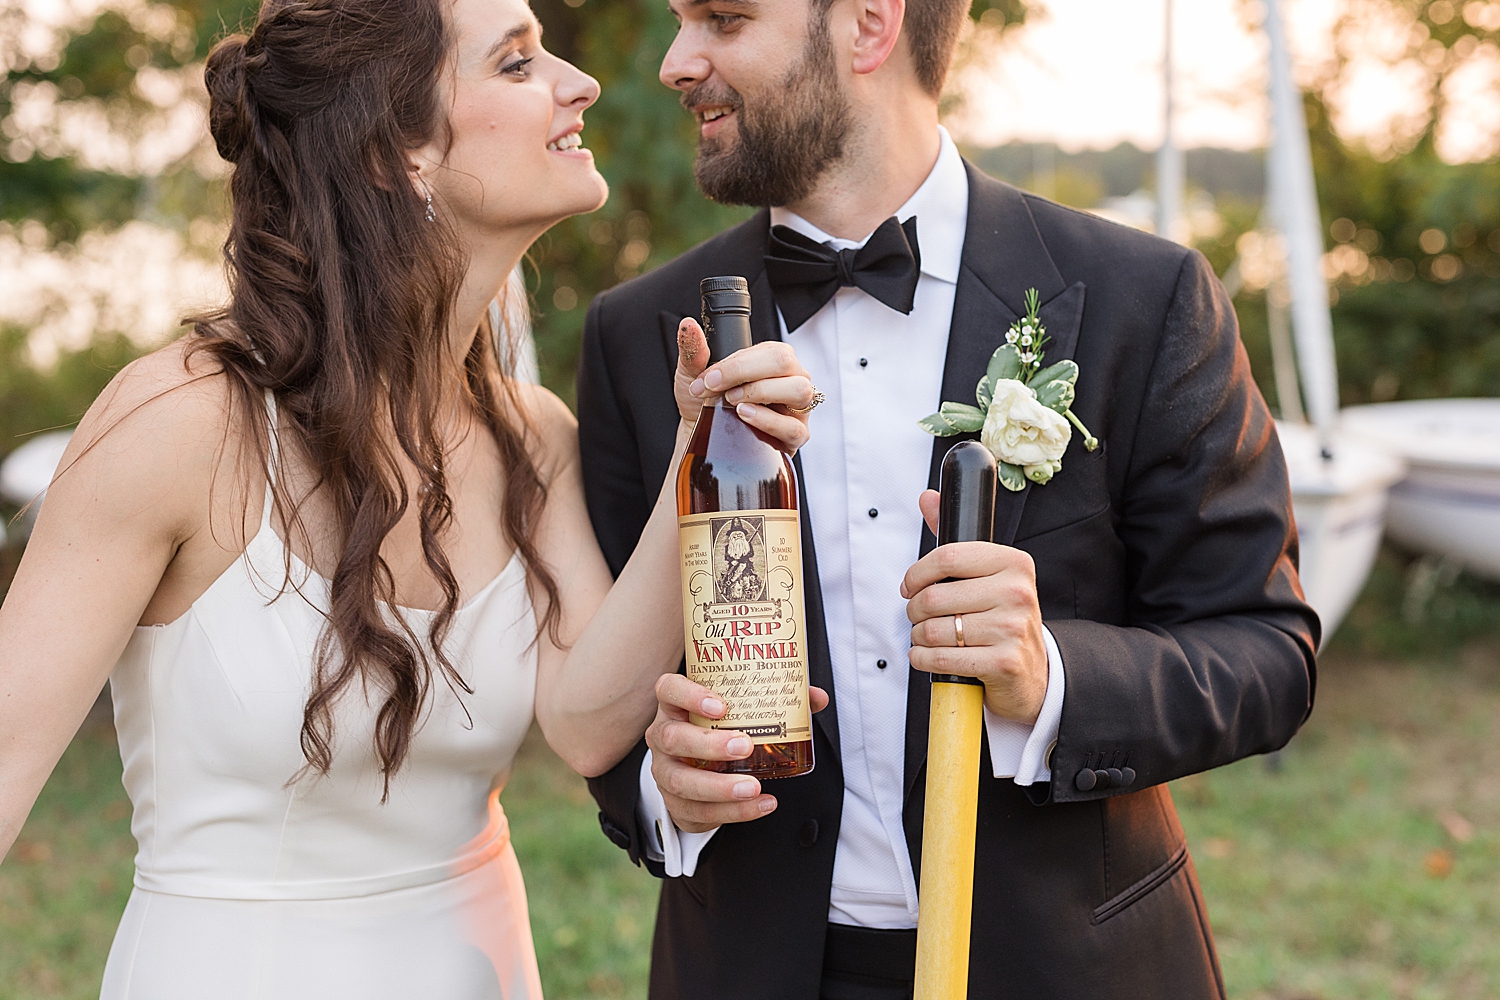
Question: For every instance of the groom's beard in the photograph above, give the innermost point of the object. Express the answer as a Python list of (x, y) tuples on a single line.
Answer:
[(786, 141)]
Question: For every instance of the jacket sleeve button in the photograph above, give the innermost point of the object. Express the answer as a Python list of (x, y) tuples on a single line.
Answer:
[(1129, 775), (809, 833), (1116, 777), (618, 836), (1085, 780), (1102, 777)]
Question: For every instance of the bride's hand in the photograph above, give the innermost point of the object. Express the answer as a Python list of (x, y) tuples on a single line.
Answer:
[(766, 382)]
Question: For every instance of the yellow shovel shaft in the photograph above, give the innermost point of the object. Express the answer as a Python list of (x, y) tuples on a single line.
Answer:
[(951, 812)]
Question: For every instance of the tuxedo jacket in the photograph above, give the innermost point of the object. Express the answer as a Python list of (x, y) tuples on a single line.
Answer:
[(1166, 571)]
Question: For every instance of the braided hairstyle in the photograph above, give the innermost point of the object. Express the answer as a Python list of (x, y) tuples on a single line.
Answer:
[(342, 293)]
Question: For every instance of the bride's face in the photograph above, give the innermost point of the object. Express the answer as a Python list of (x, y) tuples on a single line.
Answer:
[(512, 157)]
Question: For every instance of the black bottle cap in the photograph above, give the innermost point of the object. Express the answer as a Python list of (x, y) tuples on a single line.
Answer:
[(726, 314), (726, 283)]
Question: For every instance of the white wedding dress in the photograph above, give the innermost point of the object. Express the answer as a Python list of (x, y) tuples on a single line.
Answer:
[(251, 885)]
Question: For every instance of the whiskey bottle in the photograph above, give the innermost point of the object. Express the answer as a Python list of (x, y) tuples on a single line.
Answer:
[(740, 531)]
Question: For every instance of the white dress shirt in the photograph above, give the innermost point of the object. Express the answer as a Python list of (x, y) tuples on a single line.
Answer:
[(863, 469)]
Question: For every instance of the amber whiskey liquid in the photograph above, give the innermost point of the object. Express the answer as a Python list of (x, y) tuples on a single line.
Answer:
[(740, 530)]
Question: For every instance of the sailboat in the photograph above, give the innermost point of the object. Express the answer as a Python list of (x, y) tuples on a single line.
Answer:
[(1448, 506), (1340, 480)]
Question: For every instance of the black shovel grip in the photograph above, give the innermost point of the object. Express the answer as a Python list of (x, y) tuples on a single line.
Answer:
[(966, 510)]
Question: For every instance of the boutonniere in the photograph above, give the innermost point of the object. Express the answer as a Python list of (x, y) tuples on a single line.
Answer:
[(1023, 415)]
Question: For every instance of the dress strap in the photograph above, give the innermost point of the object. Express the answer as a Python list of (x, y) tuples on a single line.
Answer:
[(273, 458)]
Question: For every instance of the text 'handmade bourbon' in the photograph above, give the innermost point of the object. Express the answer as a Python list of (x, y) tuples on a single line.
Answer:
[(742, 605)]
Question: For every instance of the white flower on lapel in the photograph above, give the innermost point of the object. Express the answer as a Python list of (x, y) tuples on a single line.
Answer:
[(1020, 430), (1023, 414)]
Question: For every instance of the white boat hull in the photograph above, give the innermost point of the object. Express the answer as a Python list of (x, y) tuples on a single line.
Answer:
[(1449, 503), (1340, 505)]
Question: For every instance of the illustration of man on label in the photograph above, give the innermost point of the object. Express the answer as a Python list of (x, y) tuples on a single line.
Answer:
[(740, 559)]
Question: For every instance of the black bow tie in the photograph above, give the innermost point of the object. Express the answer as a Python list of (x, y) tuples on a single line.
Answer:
[(804, 275)]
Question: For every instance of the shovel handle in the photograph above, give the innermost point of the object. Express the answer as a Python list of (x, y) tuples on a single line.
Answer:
[(966, 513)]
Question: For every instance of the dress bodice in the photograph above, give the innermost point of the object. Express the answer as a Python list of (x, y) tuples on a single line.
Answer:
[(209, 714)]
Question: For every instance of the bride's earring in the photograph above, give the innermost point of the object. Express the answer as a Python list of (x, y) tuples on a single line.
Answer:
[(431, 215)]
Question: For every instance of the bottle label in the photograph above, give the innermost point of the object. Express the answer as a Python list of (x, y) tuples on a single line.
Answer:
[(744, 621)]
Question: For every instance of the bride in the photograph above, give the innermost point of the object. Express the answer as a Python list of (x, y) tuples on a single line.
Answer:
[(329, 555)]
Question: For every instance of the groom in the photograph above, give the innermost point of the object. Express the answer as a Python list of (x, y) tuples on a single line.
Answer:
[(1141, 619)]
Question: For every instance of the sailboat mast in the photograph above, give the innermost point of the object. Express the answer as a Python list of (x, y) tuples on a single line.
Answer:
[(1293, 203), (1169, 168)]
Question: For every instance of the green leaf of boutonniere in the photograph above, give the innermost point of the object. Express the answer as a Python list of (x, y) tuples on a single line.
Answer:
[(1067, 371), (985, 392), (962, 416), (1012, 477), (935, 425), (1056, 395), (1004, 363)]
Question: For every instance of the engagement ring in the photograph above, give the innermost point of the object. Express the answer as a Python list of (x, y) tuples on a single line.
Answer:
[(818, 397)]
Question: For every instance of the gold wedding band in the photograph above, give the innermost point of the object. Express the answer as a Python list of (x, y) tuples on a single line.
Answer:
[(958, 629), (818, 397)]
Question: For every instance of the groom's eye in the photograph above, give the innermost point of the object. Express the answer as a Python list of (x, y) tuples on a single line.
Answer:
[(726, 22)]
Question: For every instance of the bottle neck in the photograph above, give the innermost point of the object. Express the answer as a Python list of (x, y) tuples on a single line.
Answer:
[(727, 332)]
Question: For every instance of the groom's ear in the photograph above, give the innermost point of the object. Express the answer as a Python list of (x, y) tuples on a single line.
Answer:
[(877, 31)]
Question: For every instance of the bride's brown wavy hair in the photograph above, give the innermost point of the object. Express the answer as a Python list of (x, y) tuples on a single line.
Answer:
[(342, 294)]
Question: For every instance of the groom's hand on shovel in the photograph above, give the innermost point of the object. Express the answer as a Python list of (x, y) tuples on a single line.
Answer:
[(699, 800), (994, 588)]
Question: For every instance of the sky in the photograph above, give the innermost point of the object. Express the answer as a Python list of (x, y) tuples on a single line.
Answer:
[(1087, 73)]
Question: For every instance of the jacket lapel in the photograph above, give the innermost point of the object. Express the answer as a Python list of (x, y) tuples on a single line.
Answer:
[(1003, 256)]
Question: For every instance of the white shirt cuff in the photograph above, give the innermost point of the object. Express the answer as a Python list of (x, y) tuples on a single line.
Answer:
[(1024, 752), (677, 850)]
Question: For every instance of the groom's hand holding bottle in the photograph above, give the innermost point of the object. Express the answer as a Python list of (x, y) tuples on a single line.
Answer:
[(992, 587)]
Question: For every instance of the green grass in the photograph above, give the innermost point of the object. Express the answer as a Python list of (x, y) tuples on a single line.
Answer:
[(1334, 876), (1348, 872), (592, 911)]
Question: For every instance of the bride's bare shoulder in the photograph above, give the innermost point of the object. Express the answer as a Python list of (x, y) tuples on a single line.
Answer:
[(163, 427), (174, 391)]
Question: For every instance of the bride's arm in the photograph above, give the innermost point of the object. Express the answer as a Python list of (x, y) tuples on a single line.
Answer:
[(596, 689), (134, 477)]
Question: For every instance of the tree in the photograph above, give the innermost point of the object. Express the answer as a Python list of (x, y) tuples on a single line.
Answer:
[(1414, 240)]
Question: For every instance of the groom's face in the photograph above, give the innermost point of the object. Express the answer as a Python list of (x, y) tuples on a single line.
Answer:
[(762, 79)]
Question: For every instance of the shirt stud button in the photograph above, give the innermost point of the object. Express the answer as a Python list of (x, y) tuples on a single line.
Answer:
[(874, 512), (864, 362), (880, 664)]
